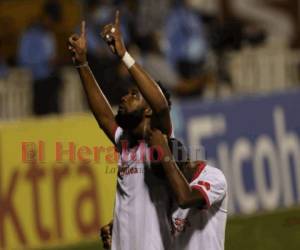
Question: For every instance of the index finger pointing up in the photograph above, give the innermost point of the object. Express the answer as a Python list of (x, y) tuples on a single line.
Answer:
[(117, 18)]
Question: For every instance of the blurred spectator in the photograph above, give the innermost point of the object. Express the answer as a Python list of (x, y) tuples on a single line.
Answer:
[(98, 13), (37, 52), (187, 42), (187, 47), (151, 16), (272, 16), (103, 63), (159, 68), (226, 33), (156, 64)]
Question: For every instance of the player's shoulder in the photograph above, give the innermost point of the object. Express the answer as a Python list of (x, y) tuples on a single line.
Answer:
[(204, 168), (217, 175), (210, 173), (213, 170)]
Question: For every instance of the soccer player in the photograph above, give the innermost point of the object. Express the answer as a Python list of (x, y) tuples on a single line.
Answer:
[(201, 194), (138, 222)]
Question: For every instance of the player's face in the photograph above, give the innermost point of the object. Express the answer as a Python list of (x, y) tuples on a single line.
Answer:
[(131, 109), (131, 102)]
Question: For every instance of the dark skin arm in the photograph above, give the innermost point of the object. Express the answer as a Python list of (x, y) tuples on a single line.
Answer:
[(185, 196), (147, 86), (96, 99)]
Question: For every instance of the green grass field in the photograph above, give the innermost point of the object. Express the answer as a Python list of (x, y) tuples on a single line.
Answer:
[(268, 231)]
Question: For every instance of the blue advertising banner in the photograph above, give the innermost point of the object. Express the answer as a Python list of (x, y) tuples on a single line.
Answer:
[(254, 140)]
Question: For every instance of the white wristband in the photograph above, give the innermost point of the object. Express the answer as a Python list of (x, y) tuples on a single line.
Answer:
[(128, 60)]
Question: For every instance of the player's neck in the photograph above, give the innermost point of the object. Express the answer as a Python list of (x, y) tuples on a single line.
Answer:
[(141, 131)]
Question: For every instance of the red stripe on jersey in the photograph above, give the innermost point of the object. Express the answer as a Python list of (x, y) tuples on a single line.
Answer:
[(205, 184), (200, 168), (203, 195)]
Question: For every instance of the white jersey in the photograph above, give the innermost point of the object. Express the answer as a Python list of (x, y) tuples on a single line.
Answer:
[(204, 229), (140, 216)]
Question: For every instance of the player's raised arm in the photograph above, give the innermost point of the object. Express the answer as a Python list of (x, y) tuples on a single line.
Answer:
[(96, 99), (147, 86), (186, 197)]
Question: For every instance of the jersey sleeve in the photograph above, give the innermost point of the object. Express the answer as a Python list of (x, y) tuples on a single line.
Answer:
[(211, 185)]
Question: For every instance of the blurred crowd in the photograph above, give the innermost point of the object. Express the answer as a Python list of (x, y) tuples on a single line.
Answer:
[(182, 43)]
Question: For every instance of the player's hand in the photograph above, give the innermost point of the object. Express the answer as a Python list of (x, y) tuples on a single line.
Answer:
[(78, 46), (157, 138), (106, 235), (111, 34)]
